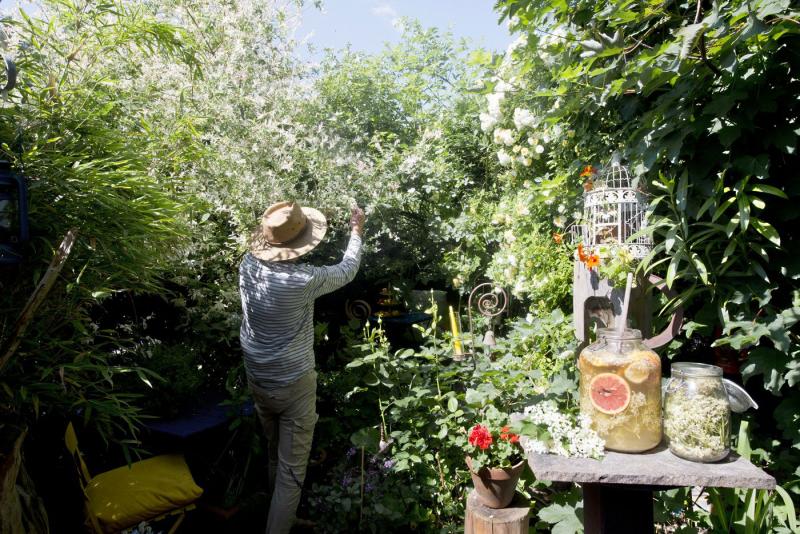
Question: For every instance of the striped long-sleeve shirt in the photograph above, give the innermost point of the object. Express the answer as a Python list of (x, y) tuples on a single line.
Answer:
[(277, 333)]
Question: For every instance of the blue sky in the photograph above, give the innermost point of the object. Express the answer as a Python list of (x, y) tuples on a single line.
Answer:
[(7, 6), (367, 24)]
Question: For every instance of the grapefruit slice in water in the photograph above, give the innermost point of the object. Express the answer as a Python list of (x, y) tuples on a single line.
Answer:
[(610, 393)]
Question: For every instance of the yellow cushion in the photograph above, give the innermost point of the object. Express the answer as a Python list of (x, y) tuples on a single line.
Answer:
[(127, 495)]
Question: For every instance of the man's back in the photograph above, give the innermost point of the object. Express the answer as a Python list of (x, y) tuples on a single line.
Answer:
[(277, 333)]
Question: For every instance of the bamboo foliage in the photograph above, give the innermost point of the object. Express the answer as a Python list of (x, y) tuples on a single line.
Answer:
[(76, 130)]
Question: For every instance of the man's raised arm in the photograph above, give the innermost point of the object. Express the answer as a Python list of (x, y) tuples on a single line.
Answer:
[(332, 277)]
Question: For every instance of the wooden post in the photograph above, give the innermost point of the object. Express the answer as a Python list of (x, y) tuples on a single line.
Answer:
[(512, 519)]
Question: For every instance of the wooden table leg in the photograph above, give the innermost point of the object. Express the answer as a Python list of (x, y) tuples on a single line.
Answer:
[(611, 509)]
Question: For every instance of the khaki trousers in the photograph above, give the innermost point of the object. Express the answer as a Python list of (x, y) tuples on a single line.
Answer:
[(288, 415)]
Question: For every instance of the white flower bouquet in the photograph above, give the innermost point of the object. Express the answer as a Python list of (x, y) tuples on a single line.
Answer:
[(548, 430)]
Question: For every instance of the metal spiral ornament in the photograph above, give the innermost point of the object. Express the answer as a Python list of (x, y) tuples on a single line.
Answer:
[(490, 303), (490, 300), (358, 310)]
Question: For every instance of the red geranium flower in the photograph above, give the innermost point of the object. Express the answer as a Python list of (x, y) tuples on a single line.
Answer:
[(492, 443), (508, 436), (480, 436)]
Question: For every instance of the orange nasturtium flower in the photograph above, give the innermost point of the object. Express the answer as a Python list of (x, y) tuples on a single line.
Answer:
[(592, 261), (588, 171), (558, 238), (581, 254)]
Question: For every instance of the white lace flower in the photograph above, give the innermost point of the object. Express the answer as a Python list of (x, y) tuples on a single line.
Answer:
[(523, 118), (494, 100), (567, 437), (503, 136), (537, 447), (488, 121)]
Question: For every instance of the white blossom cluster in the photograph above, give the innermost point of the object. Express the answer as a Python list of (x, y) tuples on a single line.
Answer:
[(523, 119), (529, 127), (568, 438), (550, 42), (512, 264), (249, 101)]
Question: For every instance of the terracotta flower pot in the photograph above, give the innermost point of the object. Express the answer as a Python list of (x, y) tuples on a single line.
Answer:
[(495, 486)]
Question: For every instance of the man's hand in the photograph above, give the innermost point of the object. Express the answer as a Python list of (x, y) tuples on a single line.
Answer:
[(357, 220)]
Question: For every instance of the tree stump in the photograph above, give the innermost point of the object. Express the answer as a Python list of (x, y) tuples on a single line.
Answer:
[(512, 519)]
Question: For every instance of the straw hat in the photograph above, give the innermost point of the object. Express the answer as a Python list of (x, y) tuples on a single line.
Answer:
[(287, 231)]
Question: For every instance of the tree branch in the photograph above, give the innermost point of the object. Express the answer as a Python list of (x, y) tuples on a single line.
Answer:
[(702, 42), (38, 296)]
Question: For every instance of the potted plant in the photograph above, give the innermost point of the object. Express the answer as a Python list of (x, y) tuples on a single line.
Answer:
[(495, 462)]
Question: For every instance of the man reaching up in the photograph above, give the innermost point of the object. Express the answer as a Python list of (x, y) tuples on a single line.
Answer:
[(277, 337)]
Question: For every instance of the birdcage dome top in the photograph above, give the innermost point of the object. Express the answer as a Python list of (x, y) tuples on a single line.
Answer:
[(613, 176), (614, 184)]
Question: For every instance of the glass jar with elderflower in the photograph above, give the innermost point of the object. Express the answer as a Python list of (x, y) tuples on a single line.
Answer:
[(620, 390), (697, 411)]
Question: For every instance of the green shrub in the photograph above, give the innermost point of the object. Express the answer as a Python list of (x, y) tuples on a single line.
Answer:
[(425, 402)]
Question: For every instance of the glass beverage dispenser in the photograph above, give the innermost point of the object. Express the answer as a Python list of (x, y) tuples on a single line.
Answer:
[(620, 390)]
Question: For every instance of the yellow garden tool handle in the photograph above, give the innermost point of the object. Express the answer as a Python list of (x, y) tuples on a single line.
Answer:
[(674, 326)]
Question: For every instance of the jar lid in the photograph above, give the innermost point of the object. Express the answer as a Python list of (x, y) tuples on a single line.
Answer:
[(613, 333), (693, 369)]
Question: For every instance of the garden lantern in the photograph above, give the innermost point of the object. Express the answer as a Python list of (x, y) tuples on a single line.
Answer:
[(13, 214), (615, 213)]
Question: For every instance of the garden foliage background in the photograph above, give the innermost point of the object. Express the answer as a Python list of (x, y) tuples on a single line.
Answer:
[(161, 130)]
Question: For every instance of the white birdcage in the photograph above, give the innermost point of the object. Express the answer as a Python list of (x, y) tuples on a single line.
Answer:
[(614, 211)]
